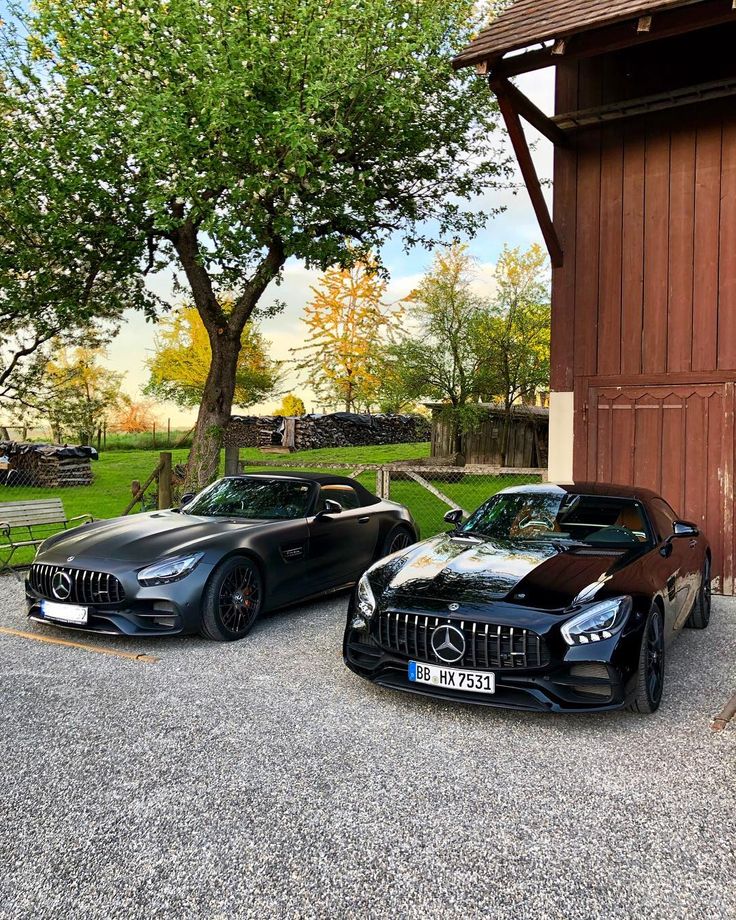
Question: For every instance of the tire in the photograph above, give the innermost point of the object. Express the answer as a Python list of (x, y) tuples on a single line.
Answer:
[(700, 614), (232, 600), (650, 681), (399, 537)]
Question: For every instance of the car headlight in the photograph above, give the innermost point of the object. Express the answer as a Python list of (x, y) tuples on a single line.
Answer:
[(162, 573), (366, 601), (597, 623)]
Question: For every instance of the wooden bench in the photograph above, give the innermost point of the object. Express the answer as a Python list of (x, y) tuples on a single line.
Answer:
[(29, 523)]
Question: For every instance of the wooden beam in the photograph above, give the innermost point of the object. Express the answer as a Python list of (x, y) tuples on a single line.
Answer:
[(529, 112), (630, 108), (666, 24), (531, 179)]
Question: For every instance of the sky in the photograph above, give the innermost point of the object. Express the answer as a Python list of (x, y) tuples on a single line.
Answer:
[(517, 226)]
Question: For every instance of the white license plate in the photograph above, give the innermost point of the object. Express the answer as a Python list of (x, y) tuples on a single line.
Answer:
[(65, 613), (452, 678)]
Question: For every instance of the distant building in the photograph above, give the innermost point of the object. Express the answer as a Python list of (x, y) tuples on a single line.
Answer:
[(527, 442)]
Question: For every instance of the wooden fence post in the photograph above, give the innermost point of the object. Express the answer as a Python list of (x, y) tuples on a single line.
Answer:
[(164, 481), (383, 483), (232, 459)]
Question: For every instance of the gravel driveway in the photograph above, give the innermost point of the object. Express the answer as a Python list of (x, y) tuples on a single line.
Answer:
[(263, 779)]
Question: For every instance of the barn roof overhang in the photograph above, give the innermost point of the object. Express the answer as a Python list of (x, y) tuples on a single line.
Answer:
[(533, 34)]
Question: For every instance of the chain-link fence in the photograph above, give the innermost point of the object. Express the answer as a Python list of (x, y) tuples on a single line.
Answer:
[(429, 492), (41, 494), (42, 491)]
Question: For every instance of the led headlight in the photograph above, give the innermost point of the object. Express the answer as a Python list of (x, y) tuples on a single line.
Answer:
[(598, 622), (366, 601), (162, 573)]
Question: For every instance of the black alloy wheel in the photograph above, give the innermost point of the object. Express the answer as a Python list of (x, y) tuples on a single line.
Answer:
[(232, 600), (700, 615), (651, 665), (398, 538)]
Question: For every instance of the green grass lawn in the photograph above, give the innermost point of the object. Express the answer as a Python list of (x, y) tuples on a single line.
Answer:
[(387, 453), (115, 470)]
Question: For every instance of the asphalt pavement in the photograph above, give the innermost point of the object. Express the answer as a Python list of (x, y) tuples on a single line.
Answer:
[(263, 779)]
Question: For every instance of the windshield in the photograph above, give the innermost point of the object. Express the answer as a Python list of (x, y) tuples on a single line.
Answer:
[(253, 498), (593, 520)]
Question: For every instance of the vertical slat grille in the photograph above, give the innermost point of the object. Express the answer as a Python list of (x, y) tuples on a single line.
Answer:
[(486, 645), (87, 587)]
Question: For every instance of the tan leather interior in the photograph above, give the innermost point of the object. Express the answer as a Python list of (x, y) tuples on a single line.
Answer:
[(630, 518)]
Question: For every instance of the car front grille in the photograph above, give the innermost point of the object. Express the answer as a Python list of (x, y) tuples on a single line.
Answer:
[(83, 587), (486, 645)]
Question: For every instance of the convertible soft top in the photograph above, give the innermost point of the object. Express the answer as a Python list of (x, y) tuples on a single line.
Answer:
[(322, 479)]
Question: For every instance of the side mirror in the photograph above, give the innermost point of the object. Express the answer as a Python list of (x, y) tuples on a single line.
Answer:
[(685, 529), (331, 507), (454, 517), (186, 498)]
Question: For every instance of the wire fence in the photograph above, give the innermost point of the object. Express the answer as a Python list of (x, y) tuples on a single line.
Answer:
[(429, 492), (38, 499)]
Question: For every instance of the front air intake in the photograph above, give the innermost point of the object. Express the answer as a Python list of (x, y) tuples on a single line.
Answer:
[(80, 586)]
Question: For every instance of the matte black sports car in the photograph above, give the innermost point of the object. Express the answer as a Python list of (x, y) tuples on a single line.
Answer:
[(245, 545), (547, 598)]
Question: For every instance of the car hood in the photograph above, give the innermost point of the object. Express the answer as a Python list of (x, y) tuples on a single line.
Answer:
[(140, 538), (472, 572)]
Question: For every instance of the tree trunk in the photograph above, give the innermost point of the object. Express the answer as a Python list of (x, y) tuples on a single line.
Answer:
[(506, 434), (224, 332), (214, 411), (458, 437)]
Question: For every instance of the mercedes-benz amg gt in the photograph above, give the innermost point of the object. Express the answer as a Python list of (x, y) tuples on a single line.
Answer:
[(547, 598)]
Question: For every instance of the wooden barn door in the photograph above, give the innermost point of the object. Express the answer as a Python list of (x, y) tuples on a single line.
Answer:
[(677, 440)]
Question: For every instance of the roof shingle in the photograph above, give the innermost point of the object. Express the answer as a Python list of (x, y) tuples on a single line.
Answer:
[(528, 22)]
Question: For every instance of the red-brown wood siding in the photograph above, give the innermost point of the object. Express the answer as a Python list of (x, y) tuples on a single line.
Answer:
[(644, 307), (653, 253), (682, 448)]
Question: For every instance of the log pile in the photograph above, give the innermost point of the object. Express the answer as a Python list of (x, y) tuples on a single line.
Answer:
[(253, 431), (311, 432), (343, 430), (50, 466)]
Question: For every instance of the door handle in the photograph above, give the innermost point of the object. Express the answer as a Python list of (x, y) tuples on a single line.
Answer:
[(364, 520), (693, 544)]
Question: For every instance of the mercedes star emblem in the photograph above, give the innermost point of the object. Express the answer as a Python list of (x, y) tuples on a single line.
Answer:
[(61, 586), (70, 558), (454, 607), (448, 644)]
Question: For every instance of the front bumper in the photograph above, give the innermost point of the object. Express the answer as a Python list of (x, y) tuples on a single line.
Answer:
[(164, 610), (579, 679)]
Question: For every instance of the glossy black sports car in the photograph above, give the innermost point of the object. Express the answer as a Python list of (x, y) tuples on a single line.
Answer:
[(547, 598), (245, 545)]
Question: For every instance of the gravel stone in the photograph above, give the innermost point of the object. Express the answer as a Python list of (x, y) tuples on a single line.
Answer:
[(263, 779)]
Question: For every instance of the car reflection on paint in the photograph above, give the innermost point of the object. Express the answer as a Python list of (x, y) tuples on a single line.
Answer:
[(548, 598)]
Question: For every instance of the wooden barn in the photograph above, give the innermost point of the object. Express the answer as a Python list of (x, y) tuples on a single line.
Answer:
[(642, 239), (528, 437)]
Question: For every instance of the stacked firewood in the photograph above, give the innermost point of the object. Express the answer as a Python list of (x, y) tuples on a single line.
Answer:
[(342, 429), (253, 431), (48, 465)]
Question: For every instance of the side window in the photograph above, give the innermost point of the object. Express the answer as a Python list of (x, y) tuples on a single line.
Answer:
[(664, 517), (346, 495)]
